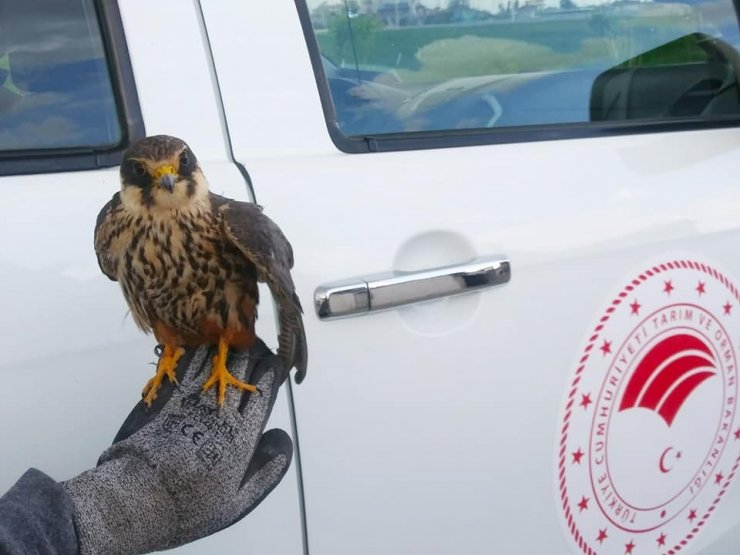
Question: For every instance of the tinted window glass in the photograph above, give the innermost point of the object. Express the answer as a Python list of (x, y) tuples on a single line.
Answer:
[(430, 65), (55, 90)]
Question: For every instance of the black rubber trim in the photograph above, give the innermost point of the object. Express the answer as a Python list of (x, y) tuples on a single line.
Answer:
[(127, 104), (504, 135), (474, 137)]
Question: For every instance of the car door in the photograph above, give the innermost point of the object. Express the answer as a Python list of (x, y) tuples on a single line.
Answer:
[(81, 80), (594, 149)]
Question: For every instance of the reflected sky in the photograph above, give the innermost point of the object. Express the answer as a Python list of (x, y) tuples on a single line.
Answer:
[(55, 89)]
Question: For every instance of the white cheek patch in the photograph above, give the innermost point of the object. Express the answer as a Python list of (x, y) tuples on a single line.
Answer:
[(131, 198), (649, 442)]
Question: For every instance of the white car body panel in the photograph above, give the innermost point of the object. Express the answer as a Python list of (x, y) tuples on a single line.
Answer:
[(432, 428), (428, 429)]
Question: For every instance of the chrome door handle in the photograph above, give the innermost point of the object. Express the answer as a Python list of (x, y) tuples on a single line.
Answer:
[(391, 289)]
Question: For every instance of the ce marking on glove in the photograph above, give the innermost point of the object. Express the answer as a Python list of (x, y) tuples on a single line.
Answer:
[(188, 430), (210, 452), (194, 436)]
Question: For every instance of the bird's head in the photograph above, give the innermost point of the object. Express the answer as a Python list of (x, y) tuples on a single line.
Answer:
[(161, 173)]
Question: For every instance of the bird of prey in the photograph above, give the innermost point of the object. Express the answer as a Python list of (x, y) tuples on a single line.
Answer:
[(188, 262)]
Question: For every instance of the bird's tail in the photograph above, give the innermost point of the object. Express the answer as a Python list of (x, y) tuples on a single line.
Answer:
[(292, 347)]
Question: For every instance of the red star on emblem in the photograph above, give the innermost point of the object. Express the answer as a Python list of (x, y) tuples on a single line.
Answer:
[(728, 307), (629, 547), (585, 400), (692, 515), (700, 288), (606, 348), (577, 456), (661, 539), (737, 433), (583, 503), (668, 287), (718, 478), (635, 306), (602, 536)]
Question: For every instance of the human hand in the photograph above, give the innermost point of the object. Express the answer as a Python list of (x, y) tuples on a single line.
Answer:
[(185, 468)]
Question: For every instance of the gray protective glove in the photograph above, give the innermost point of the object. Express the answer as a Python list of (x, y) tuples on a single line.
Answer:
[(184, 469)]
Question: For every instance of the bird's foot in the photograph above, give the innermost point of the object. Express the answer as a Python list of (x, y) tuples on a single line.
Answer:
[(221, 376), (165, 367)]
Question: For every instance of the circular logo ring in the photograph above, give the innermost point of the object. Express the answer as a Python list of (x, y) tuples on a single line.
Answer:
[(649, 442)]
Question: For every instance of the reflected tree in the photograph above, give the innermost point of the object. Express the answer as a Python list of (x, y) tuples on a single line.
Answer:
[(354, 37)]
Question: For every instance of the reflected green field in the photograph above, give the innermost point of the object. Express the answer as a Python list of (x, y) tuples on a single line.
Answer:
[(432, 53)]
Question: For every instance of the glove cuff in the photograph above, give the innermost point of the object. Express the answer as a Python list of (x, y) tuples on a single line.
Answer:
[(121, 507)]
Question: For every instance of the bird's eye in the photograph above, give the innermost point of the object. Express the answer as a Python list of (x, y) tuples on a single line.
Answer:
[(184, 159), (139, 169)]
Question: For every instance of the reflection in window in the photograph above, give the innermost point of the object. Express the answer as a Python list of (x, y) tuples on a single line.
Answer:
[(416, 65), (55, 90)]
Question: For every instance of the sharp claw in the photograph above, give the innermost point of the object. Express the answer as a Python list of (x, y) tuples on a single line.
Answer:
[(165, 367)]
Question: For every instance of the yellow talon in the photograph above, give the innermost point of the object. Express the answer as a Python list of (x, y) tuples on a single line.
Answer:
[(221, 375), (165, 367)]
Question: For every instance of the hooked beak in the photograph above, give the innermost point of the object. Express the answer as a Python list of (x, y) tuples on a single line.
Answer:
[(166, 176)]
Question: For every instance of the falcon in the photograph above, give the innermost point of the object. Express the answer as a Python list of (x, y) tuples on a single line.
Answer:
[(188, 262)]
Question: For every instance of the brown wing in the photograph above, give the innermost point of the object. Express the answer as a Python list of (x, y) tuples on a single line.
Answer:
[(105, 233), (263, 243)]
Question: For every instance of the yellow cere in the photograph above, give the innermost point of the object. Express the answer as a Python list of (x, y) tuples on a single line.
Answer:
[(162, 170)]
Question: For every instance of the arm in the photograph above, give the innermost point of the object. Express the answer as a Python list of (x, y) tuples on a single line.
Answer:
[(36, 517), (176, 472)]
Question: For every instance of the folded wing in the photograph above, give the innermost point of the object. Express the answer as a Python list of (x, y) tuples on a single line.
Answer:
[(262, 242)]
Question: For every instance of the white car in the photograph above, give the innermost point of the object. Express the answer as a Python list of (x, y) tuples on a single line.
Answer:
[(517, 239)]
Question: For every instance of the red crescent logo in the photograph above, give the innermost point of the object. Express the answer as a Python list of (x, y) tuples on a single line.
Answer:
[(663, 468)]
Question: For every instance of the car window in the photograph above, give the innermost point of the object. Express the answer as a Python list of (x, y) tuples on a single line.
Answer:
[(435, 65), (55, 89)]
